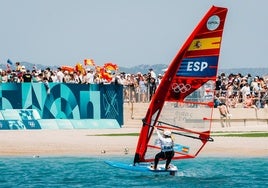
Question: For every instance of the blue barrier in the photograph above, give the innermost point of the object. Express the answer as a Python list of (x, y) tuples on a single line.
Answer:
[(58, 124), (63, 106)]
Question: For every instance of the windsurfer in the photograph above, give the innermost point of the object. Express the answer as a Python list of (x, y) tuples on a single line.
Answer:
[(167, 152)]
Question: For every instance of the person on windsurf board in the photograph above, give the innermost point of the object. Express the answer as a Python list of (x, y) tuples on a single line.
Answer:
[(167, 151)]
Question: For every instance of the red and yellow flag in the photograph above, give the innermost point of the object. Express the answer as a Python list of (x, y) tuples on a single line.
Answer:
[(110, 66), (89, 62)]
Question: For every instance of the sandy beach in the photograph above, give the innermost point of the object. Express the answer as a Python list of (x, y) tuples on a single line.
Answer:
[(89, 143)]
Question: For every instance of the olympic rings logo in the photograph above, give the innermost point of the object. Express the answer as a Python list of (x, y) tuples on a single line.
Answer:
[(180, 88)]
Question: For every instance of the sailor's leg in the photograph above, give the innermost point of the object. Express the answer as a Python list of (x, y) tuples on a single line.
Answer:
[(156, 159), (169, 156)]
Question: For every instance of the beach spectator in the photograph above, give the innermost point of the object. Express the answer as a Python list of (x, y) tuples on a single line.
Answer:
[(224, 88), (244, 80), (249, 102), (223, 76), (66, 77), (131, 83), (261, 83), (218, 84), (60, 75), (97, 79), (23, 69), (232, 101), (34, 76), (76, 78), (217, 100), (229, 90), (39, 77), (224, 115), (119, 79), (45, 81), (72, 79), (27, 77), (47, 74), (136, 87), (266, 83), (230, 79), (125, 86), (12, 76), (143, 89), (249, 79), (53, 76), (152, 87), (18, 66), (159, 78), (122, 78), (262, 99), (4, 77), (153, 75), (89, 78), (245, 90), (264, 96), (255, 87), (235, 86)]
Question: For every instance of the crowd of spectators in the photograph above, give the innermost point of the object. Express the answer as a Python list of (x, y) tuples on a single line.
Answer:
[(233, 90), (236, 90)]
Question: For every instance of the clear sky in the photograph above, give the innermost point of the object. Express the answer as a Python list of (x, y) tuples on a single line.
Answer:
[(126, 32)]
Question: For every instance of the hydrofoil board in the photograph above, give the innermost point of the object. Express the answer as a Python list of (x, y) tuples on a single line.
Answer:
[(144, 167)]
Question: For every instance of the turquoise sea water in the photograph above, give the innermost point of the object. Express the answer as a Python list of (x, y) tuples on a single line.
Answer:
[(94, 172)]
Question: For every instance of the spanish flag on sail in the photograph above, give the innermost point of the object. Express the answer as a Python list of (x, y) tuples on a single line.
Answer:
[(205, 44)]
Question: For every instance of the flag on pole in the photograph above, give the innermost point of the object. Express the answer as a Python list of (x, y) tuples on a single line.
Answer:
[(89, 62), (9, 62), (110, 66)]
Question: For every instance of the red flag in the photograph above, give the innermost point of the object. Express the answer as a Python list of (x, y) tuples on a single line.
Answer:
[(67, 68), (110, 66), (89, 62), (105, 75)]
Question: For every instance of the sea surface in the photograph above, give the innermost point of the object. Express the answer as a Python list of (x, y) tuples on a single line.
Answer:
[(94, 172)]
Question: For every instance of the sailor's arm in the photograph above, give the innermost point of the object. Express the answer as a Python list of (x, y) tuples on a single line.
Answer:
[(159, 135)]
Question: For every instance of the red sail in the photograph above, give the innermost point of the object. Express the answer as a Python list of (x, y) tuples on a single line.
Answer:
[(181, 92)]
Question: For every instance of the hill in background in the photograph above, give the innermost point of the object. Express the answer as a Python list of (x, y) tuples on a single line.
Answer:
[(158, 68)]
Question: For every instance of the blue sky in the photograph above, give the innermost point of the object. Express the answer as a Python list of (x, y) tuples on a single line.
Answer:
[(126, 32)]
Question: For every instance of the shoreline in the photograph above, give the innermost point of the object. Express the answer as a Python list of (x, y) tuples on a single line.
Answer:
[(88, 143)]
